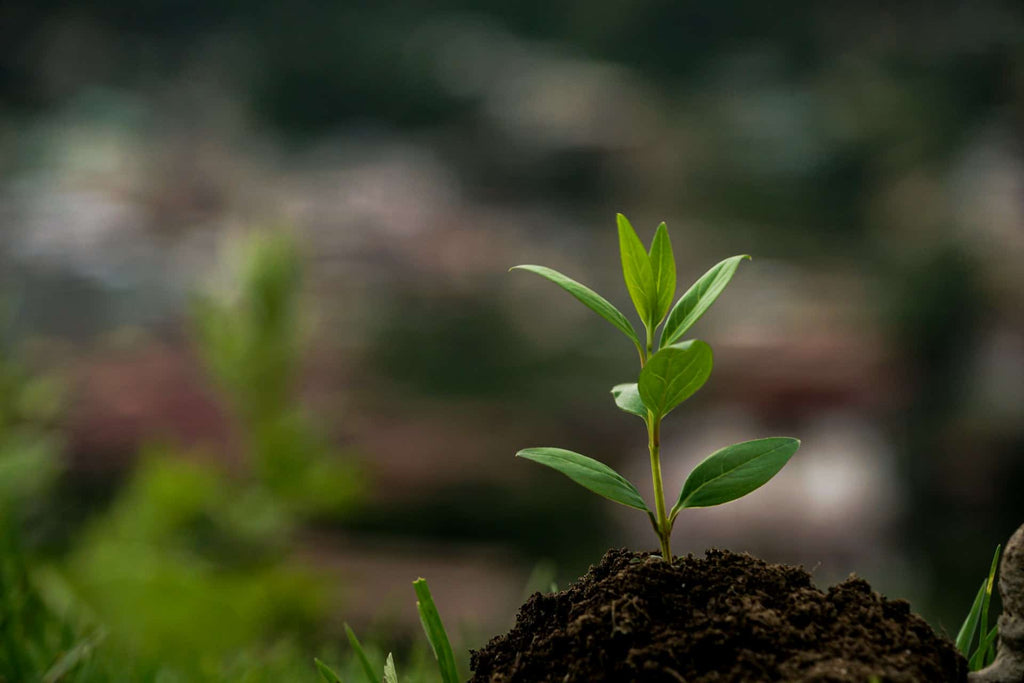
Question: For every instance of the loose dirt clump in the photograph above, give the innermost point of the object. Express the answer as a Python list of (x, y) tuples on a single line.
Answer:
[(727, 617)]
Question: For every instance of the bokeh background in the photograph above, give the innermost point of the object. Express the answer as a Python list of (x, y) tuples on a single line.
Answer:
[(263, 363)]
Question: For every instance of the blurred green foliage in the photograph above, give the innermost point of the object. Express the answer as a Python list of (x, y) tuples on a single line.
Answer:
[(30, 442), (203, 550), (252, 341), (190, 564)]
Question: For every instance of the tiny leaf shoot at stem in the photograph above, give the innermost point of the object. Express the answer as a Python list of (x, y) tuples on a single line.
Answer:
[(669, 374)]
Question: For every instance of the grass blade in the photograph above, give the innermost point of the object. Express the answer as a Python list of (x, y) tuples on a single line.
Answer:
[(980, 659), (698, 298), (326, 673), (988, 597), (71, 659), (371, 674), (970, 625), (589, 298), (390, 675), (436, 634), (588, 473)]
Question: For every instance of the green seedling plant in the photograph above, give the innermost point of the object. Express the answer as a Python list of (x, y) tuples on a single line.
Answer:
[(433, 627), (976, 622), (669, 374)]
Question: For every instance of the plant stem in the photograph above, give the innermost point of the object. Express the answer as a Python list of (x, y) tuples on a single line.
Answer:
[(663, 527)]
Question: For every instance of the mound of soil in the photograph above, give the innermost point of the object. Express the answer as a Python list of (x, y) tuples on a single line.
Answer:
[(727, 617)]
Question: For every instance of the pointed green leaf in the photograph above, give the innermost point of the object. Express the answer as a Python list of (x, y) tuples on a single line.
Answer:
[(589, 298), (970, 625), (72, 658), (588, 473), (637, 271), (735, 471), (979, 660), (627, 398), (989, 647), (698, 298), (326, 673), (390, 675), (983, 624), (663, 264), (371, 674), (673, 374), (436, 634)]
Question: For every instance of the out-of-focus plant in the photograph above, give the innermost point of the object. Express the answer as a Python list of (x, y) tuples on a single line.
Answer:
[(191, 562), (252, 340), (42, 637), (188, 563), (668, 376), (30, 444)]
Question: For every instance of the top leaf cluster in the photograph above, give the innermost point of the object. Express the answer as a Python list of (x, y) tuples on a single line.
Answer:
[(650, 277)]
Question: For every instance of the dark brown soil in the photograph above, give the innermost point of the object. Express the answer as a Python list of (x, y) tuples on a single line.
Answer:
[(726, 617)]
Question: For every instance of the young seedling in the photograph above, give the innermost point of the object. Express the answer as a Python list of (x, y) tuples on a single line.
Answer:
[(668, 376)]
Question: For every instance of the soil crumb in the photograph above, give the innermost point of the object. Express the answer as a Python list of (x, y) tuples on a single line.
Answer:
[(724, 618)]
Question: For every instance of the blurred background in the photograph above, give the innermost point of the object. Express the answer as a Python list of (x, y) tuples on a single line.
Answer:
[(262, 364)]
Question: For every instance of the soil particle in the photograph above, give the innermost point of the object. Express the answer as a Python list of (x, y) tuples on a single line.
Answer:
[(725, 618)]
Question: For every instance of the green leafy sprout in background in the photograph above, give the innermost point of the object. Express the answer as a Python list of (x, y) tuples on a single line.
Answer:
[(669, 375)]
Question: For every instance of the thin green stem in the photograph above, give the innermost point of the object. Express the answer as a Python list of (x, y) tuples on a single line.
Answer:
[(663, 526)]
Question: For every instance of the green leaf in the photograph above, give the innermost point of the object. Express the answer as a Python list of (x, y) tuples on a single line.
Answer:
[(326, 673), (983, 624), (588, 473), (589, 298), (673, 374), (979, 660), (371, 674), (627, 398), (434, 628), (637, 271), (698, 298), (663, 265), (72, 659), (735, 471), (390, 675), (970, 625)]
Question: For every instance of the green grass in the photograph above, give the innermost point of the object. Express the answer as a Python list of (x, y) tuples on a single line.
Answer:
[(980, 651)]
